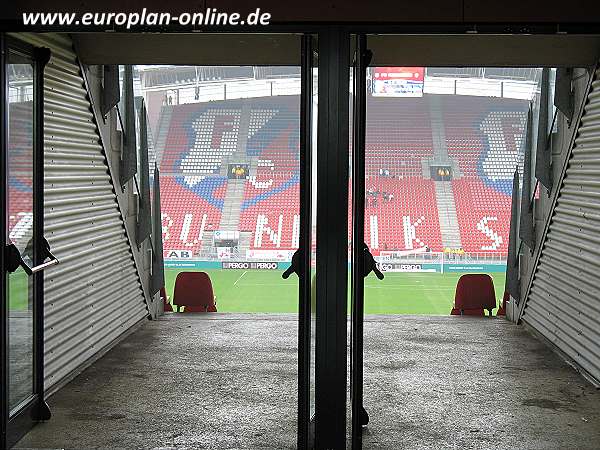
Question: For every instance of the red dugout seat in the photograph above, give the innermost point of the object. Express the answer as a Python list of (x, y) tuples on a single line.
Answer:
[(474, 294), (165, 299), (502, 309), (193, 290)]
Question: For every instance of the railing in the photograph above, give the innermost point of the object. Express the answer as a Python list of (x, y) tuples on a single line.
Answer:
[(211, 253), (232, 89), (482, 87), (219, 90), (450, 258)]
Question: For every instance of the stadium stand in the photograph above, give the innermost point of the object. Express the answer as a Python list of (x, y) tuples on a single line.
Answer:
[(190, 210), (407, 219), (484, 135), (273, 219), (199, 138), (270, 208), (398, 136), (20, 200), (483, 139), (483, 216)]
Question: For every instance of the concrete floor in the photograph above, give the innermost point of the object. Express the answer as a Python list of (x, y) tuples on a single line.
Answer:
[(20, 357), (472, 383), (228, 381)]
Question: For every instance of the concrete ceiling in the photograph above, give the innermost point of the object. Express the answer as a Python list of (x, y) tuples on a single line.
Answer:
[(479, 50), (215, 49)]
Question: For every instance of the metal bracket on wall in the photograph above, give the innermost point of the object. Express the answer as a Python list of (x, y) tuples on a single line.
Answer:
[(564, 97), (543, 158), (111, 93), (128, 167), (115, 182), (513, 281), (526, 222)]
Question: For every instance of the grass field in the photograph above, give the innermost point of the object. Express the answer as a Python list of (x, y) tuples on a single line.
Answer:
[(398, 293), (18, 290)]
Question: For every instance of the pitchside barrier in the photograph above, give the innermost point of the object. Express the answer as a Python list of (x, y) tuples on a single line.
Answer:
[(225, 265), (441, 267), (424, 262)]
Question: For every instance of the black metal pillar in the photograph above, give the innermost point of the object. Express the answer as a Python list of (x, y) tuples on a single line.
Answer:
[(3, 287), (332, 238), (361, 60)]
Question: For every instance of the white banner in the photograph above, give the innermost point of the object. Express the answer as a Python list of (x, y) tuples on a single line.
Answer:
[(388, 267), (177, 254), (401, 253), (274, 254), (226, 235), (224, 252)]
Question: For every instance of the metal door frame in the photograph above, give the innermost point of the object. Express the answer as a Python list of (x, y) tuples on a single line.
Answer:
[(3, 226), (305, 434), (358, 232), (35, 409)]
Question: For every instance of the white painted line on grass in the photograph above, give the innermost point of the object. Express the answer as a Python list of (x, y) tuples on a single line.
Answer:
[(404, 287), (236, 281)]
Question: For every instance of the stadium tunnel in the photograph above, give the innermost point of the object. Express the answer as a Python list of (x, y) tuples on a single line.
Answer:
[(84, 257)]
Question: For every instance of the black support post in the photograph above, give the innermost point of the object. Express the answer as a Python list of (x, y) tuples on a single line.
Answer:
[(332, 238), (361, 60), (305, 290)]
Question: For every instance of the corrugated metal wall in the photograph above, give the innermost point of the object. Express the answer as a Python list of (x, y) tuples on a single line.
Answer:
[(94, 295), (564, 299)]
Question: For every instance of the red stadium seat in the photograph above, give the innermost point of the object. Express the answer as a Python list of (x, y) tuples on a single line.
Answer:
[(163, 295), (474, 294), (502, 309), (193, 291)]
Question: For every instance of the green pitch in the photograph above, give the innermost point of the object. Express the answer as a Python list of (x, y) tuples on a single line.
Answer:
[(398, 293), (18, 290)]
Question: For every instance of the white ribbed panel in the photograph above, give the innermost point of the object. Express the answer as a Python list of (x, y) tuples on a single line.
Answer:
[(94, 295), (564, 300)]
